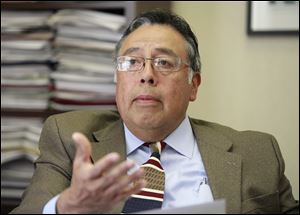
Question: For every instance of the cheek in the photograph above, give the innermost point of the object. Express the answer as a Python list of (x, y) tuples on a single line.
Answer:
[(123, 89), (179, 94), (120, 92)]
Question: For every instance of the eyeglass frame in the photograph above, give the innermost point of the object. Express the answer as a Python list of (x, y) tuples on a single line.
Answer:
[(180, 63)]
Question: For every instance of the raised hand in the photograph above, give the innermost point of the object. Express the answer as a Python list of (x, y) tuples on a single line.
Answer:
[(97, 187)]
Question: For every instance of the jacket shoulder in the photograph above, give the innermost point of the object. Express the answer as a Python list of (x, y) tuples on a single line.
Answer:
[(86, 122), (230, 132)]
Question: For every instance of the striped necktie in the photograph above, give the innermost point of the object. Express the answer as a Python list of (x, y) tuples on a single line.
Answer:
[(152, 195)]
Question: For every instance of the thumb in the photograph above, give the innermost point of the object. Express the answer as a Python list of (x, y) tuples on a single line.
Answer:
[(83, 147)]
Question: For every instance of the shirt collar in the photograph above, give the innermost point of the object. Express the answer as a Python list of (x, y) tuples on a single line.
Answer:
[(132, 142), (181, 139)]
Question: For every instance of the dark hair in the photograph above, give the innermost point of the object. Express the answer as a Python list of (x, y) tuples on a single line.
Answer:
[(167, 18)]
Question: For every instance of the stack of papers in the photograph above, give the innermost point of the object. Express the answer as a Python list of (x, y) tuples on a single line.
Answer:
[(84, 47), (25, 37), (26, 59), (19, 149)]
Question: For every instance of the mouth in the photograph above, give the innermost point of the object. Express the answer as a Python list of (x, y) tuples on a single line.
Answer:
[(146, 100)]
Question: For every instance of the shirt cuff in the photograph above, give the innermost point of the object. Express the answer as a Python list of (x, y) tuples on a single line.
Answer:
[(50, 207)]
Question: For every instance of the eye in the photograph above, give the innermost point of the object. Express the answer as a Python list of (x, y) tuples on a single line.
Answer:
[(132, 61), (164, 62)]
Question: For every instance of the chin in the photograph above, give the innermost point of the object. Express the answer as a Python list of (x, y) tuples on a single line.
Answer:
[(147, 122)]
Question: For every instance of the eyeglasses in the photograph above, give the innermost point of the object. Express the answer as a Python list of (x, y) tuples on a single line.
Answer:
[(164, 65)]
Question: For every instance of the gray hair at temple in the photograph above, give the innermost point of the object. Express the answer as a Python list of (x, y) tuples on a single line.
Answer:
[(179, 24)]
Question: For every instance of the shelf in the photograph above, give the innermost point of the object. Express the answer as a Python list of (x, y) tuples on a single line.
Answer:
[(40, 5), (128, 8), (28, 113)]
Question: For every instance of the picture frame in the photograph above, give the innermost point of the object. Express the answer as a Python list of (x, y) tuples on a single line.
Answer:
[(273, 18)]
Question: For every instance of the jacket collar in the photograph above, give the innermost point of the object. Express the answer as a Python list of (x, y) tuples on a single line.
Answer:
[(109, 139)]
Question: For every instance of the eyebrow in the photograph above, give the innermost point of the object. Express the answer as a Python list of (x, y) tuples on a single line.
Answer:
[(162, 50), (131, 50), (166, 51)]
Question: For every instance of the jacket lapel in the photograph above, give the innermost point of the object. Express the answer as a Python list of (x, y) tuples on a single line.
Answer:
[(110, 139), (222, 166)]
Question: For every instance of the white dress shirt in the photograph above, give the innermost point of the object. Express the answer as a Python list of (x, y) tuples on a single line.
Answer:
[(185, 176)]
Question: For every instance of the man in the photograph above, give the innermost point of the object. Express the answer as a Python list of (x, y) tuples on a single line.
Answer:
[(158, 74)]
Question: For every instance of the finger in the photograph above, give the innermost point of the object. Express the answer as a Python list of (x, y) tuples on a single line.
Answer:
[(121, 170), (83, 148), (112, 176), (130, 190), (125, 184), (104, 164)]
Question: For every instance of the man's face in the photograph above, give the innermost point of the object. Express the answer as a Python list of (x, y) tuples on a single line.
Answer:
[(148, 99)]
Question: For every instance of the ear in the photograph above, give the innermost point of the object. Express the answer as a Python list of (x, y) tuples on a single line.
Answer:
[(196, 81)]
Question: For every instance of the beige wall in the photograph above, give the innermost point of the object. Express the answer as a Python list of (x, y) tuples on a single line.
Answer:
[(248, 83)]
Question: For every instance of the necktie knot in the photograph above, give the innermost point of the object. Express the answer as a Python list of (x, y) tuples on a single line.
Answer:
[(157, 147)]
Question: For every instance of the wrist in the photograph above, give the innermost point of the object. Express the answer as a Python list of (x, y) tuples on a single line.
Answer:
[(65, 203)]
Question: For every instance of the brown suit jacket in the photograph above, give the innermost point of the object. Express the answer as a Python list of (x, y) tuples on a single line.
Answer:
[(246, 168)]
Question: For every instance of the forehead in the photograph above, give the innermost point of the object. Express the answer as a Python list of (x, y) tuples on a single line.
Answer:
[(155, 39)]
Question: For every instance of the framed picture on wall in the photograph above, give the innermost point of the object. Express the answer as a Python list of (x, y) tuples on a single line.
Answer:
[(273, 18)]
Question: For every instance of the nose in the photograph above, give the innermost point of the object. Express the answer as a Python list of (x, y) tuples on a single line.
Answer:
[(148, 75)]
